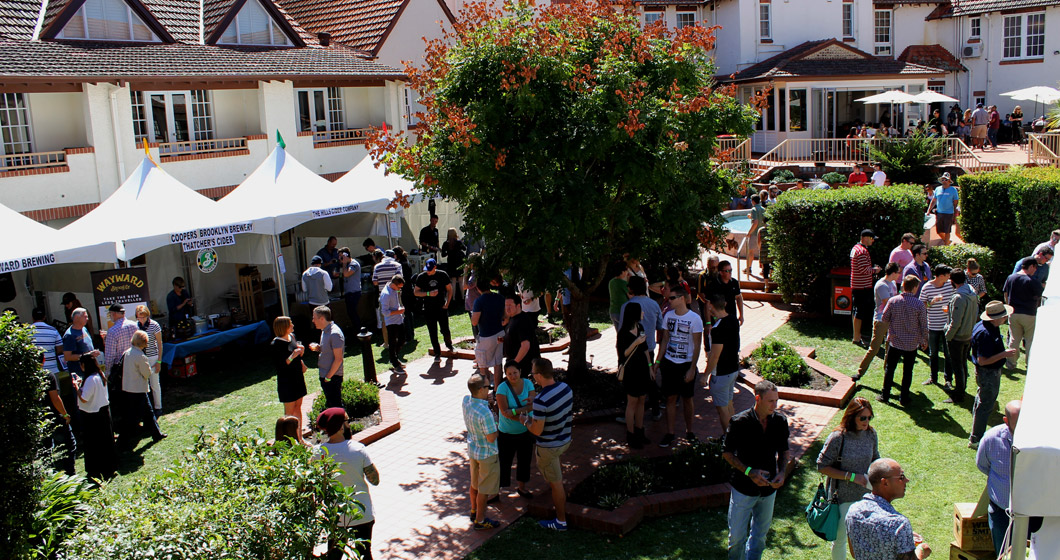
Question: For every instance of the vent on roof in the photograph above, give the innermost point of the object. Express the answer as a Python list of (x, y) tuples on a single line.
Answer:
[(324, 38)]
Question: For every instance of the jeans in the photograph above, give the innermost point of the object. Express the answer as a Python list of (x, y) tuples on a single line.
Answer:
[(991, 135), (519, 447), (396, 333), (839, 545), (959, 354), (352, 301), (749, 521), (436, 317), (937, 340), (879, 335), (998, 520), (138, 409), (908, 359), (1020, 329), (332, 391), (989, 381)]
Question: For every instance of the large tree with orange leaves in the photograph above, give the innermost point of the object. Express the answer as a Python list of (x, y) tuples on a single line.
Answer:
[(571, 134)]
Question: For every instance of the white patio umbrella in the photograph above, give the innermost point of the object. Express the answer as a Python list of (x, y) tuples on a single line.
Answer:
[(1038, 94), (892, 97), (929, 96)]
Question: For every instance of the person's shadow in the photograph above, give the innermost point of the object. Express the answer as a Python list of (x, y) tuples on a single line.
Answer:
[(440, 371), (398, 380)]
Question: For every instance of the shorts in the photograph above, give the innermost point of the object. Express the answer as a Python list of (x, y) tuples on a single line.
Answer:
[(943, 222), (979, 131), (548, 462), (673, 379), (864, 303), (486, 475), (722, 387), (489, 351)]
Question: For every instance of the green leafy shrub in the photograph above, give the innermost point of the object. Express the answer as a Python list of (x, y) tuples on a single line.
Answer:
[(63, 505), (1010, 211), (909, 160), (359, 398), (956, 256), (21, 433), (812, 231), (782, 176), (834, 178), (231, 495), (778, 362)]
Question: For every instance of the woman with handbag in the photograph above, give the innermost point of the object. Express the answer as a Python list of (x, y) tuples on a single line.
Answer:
[(515, 400), (845, 460), (634, 371)]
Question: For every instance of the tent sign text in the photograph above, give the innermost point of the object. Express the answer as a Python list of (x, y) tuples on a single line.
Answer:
[(336, 211), (211, 237), (27, 262)]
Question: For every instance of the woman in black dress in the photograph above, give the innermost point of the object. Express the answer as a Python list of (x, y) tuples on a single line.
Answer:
[(633, 352), (286, 355)]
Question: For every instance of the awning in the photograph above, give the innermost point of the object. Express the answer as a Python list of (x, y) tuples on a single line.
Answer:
[(28, 243), (371, 188)]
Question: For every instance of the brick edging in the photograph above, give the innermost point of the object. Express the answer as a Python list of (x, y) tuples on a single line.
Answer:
[(841, 392), (390, 420)]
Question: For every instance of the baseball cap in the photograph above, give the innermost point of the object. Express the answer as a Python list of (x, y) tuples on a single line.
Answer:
[(116, 308), (388, 253), (316, 259), (868, 233), (431, 264)]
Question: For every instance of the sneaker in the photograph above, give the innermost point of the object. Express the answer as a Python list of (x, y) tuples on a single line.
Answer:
[(554, 524), (951, 400), (973, 445), (949, 386), (882, 398), (486, 524), (690, 436), (666, 440)]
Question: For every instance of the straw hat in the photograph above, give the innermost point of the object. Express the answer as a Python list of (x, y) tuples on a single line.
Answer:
[(996, 310)]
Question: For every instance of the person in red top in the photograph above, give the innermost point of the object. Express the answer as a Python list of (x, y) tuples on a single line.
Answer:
[(858, 177), (861, 274), (993, 126)]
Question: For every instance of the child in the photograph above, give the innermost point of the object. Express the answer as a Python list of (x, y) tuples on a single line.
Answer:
[(481, 450), (976, 280)]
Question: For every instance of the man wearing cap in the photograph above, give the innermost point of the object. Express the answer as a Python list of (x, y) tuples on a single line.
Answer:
[(988, 355), (861, 275), (357, 472), (118, 337), (945, 202), (1024, 293), (316, 282), (980, 118), (436, 292), (178, 302)]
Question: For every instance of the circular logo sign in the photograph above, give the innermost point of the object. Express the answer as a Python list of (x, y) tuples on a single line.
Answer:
[(207, 260)]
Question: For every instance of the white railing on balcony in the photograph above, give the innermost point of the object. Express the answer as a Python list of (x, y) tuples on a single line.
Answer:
[(345, 135), (1044, 149), (731, 152), (33, 160), (215, 146), (846, 151)]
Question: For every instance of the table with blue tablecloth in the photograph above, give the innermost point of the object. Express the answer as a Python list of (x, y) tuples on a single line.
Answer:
[(212, 339)]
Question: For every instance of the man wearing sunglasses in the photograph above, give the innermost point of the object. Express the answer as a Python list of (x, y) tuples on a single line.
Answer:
[(876, 531), (681, 340)]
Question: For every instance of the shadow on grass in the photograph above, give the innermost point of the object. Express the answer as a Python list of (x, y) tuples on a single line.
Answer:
[(219, 373)]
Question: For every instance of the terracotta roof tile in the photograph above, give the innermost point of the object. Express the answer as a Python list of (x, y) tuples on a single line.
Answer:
[(179, 17), (18, 17), (935, 56), (361, 24), (213, 11), (828, 57), (972, 7)]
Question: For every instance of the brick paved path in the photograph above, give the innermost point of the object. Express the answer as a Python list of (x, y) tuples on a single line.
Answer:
[(422, 502)]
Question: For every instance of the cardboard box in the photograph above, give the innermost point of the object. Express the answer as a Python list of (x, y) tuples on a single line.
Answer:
[(971, 531), (956, 553)]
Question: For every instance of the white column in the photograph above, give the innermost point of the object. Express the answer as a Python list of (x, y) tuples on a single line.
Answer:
[(276, 107)]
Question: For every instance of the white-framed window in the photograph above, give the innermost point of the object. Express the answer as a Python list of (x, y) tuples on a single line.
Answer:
[(201, 115), (937, 89), (765, 24), (15, 128), (980, 100), (1024, 41), (977, 28), (848, 19), (172, 116), (107, 20), (1035, 35), (652, 17), (320, 109), (139, 116), (684, 19), (254, 26), (1013, 33), (882, 32)]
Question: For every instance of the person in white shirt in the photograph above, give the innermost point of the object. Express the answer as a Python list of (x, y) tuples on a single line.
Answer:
[(352, 459), (97, 435), (879, 178)]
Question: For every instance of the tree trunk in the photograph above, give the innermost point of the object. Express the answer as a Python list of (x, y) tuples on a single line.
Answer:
[(578, 331)]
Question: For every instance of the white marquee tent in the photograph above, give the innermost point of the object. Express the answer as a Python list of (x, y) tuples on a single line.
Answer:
[(28, 243)]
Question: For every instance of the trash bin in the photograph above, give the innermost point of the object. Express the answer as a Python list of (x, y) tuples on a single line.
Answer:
[(842, 295)]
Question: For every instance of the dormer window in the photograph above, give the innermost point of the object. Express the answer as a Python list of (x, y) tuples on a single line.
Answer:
[(254, 26), (107, 20)]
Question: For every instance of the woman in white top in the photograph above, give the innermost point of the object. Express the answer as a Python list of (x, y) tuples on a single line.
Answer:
[(136, 373), (97, 434), (153, 353)]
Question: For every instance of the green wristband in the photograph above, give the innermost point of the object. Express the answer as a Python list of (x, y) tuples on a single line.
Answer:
[(747, 472), (851, 477)]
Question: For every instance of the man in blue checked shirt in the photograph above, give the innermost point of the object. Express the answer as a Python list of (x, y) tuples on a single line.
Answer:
[(481, 450), (994, 459)]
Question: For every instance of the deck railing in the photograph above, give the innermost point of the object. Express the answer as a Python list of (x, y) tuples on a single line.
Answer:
[(1044, 149), (215, 146), (850, 151), (32, 160), (345, 135)]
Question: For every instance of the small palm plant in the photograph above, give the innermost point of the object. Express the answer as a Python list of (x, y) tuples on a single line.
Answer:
[(910, 160)]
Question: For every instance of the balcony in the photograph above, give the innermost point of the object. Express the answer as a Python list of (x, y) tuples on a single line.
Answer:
[(202, 149), (344, 137), (33, 163)]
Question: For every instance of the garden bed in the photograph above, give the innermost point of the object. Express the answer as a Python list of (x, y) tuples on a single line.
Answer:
[(373, 413), (598, 395), (826, 387)]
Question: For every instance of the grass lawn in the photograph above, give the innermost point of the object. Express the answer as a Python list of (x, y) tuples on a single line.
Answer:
[(239, 383), (929, 439)]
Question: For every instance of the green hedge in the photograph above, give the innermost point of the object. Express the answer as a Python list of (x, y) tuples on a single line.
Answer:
[(1010, 211), (812, 231), (360, 399), (957, 255)]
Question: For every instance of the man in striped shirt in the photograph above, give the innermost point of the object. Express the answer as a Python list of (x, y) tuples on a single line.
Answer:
[(907, 330), (936, 295), (551, 424), (48, 339), (861, 274)]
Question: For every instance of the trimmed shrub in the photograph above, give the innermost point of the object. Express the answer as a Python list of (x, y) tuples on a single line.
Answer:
[(812, 231), (782, 176), (909, 160), (232, 495), (956, 256), (21, 433), (360, 399), (778, 362), (1010, 211), (834, 178)]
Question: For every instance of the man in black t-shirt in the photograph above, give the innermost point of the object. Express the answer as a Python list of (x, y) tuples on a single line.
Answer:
[(730, 288), (429, 236), (62, 437), (434, 290), (756, 445), (723, 360), (520, 340)]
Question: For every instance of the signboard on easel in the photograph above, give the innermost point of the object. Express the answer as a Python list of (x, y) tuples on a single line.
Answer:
[(124, 286)]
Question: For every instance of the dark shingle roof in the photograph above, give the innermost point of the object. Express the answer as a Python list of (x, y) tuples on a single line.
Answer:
[(18, 17), (672, 2), (828, 57), (971, 7), (110, 61), (361, 24), (935, 56)]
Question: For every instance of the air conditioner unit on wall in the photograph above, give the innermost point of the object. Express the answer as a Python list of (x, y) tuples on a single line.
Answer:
[(972, 51)]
